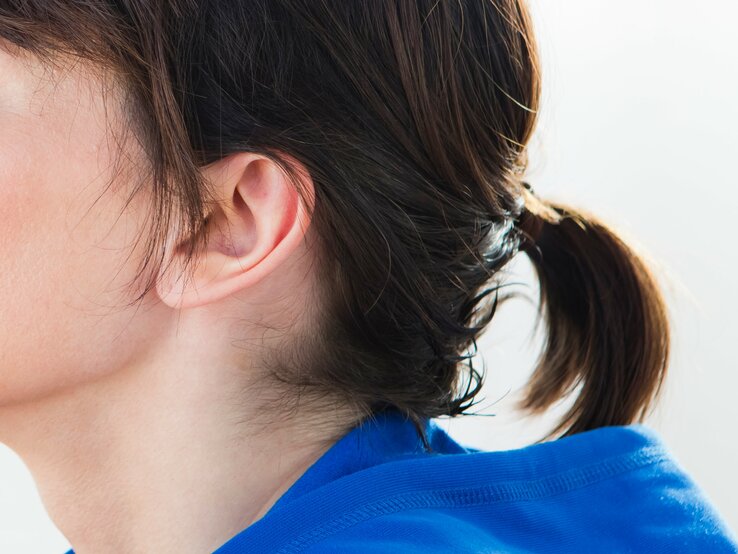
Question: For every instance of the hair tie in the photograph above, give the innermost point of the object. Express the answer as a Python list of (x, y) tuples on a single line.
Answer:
[(530, 227), (534, 217)]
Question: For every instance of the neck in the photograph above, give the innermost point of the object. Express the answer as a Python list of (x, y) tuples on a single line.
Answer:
[(158, 459)]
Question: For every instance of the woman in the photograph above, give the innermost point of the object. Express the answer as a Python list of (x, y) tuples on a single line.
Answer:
[(263, 238)]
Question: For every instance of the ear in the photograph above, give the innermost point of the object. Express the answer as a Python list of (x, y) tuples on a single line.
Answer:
[(256, 224)]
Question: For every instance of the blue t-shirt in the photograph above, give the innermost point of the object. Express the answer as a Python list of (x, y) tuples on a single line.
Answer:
[(612, 489)]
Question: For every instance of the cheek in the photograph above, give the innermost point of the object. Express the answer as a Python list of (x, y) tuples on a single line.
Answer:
[(61, 316)]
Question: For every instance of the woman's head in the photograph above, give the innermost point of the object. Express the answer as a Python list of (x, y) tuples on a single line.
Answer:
[(363, 158)]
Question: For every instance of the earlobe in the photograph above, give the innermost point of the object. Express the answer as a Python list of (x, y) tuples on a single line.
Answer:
[(258, 222)]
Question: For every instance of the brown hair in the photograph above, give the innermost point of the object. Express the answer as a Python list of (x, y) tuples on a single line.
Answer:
[(412, 119)]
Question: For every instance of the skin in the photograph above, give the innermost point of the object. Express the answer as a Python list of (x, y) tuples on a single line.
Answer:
[(144, 429)]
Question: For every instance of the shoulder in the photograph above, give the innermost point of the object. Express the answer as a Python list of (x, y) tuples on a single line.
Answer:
[(608, 490), (638, 501), (531, 527)]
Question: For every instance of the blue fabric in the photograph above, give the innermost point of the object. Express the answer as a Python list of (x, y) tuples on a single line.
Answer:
[(613, 489)]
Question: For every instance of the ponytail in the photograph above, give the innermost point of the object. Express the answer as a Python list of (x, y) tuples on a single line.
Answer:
[(607, 326)]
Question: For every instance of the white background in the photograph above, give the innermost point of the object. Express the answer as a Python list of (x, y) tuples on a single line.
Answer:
[(639, 125)]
